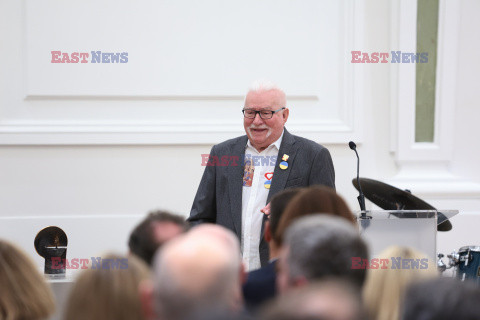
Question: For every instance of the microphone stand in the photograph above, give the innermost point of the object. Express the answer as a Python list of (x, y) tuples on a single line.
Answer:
[(361, 197)]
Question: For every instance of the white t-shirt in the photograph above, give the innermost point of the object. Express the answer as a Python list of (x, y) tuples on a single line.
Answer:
[(254, 198)]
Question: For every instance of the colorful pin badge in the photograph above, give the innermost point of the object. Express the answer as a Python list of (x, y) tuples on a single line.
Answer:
[(284, 164), (268, 183)]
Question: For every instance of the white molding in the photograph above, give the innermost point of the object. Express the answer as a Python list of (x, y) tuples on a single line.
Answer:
[(394, 75), (346, 125), (141, 133), (441, 149), (424, 167)]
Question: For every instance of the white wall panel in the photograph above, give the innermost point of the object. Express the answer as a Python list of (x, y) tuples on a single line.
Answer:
[(189, 65)]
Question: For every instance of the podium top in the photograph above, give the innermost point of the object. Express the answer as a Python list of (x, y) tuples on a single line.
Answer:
[(440, 215)]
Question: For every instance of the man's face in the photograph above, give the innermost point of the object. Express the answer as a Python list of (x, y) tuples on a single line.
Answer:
[(164, 231), (264, 132)]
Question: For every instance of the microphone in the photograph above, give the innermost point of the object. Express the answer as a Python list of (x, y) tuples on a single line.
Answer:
[(361, 197)]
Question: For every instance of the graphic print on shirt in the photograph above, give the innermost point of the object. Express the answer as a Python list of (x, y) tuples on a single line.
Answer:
[(248, 171), (268, 181)]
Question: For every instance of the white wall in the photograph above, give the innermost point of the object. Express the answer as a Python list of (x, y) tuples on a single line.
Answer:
[(93, 158)]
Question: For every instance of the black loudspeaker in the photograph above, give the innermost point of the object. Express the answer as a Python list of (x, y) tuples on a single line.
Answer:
[(51, 244)]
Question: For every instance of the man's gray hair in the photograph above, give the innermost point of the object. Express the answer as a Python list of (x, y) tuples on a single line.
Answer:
[(323, 246), (260, 85)]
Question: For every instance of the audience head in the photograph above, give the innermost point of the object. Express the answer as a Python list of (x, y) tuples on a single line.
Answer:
[(315, 199), (109, 292), (330, 299), (156, 229), (277, 206), (196, 272), (24, 292), (385, 287), (320, 246), (441, 299)]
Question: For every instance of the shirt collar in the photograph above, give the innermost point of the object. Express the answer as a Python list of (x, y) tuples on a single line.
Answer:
[(276, 143)]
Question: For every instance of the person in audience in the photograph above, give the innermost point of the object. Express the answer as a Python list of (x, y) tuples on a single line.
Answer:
[(109, 291), (24, 293), (388, 277), (442, 299), (260, 285), (315, 199), (196, 273), (156, 229), (329, 299), (317, 247)]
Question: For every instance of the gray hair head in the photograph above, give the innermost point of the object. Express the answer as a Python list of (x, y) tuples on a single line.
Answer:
[(262, 85), (323, 246)]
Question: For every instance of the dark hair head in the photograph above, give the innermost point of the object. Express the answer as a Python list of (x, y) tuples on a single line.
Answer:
[(278, 204), (315, 199), (442, 299), (142, 242)]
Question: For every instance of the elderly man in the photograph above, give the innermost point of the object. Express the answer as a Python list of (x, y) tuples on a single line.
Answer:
[(243, 173), (197, 274)]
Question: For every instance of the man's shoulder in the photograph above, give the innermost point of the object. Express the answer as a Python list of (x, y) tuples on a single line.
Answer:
[(228, 144), (307, 143)]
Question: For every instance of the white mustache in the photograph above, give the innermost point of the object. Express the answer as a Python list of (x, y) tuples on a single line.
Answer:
[(258, 127)]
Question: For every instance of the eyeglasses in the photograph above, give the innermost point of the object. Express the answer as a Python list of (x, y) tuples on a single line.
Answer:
[(264, 114)]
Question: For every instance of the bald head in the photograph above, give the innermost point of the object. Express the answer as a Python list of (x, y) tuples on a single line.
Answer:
[(196, 271)]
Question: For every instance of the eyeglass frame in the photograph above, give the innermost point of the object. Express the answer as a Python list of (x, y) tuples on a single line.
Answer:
[(259, 113)]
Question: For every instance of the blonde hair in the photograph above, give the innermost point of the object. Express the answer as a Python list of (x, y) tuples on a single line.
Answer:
[(108, 293), (24, 294), (384, 289)]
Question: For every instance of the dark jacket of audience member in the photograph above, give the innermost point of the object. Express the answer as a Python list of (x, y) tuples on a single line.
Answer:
[(150, 234)]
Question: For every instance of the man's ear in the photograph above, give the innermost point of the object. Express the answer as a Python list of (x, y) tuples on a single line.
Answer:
[(285, 115), (145, 290), (268, 233), (243, 274)]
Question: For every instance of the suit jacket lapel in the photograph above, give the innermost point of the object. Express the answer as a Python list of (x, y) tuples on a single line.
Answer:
[(235, 184), (280, 176)]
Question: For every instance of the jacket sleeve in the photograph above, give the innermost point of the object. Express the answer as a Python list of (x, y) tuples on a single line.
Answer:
[(204, 205), (322, 172)]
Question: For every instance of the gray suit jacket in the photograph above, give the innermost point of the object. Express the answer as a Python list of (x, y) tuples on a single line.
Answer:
[(219, 196)]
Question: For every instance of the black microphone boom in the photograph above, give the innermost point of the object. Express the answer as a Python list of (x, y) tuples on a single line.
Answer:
[(361, 197)]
